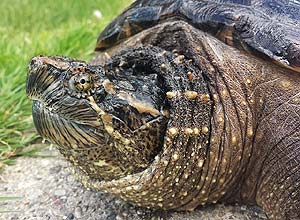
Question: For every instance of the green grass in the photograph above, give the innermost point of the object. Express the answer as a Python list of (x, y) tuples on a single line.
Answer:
[(32, 27), (5, 199)]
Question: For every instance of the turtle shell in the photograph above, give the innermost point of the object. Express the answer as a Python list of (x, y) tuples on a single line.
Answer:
[(266, 28)]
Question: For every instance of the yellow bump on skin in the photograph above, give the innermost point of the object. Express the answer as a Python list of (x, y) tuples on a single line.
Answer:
[(170, 95), (296, 100), (222, 180), (200, 163), (101, 163), (174, 51), (175, 156), (108, 87), (248, 81), (224, 93), (109, 129), (166, 113), (173, 131), (198, 49), (180, 57), (177, 180), (214, 62), (191, 95), (190, 75), (196, 131), (163, 67), (188, 131), (214, 180), (250, 132), (144, 193), (286, 84), (233, 140), (204, 130), (220, 119), (203, 192), (205, 98), (163, 53), (127, 141), (185, 193), (215, 96)]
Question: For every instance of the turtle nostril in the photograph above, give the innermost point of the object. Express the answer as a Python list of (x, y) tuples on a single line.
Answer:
[(32, 62), (36, 62)]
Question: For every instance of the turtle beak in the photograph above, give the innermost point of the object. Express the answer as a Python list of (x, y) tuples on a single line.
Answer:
[(44, 77)]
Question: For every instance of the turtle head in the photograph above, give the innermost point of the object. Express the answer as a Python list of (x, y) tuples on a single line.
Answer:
[(107, 123)]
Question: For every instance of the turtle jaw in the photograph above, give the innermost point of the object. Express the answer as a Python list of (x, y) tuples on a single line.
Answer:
[(44, 80), (65, 132)]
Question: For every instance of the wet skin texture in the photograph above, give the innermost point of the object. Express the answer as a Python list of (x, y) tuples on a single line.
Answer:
[(173, 118)]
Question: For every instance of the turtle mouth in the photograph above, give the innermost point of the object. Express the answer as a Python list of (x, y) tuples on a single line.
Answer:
[(63, 131), (44, 82), (48, 123)]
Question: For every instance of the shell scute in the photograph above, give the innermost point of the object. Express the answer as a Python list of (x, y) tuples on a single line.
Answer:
[(266, 28)]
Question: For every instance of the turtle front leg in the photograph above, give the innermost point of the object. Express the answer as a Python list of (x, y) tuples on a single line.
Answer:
[(279, 185)]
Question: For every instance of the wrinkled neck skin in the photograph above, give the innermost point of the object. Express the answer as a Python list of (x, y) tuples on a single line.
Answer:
[(249, 128)]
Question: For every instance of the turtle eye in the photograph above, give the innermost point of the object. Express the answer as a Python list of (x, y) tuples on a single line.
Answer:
[(82, 83)]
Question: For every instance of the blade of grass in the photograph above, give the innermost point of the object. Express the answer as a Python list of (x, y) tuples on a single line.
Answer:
[(6, 198)]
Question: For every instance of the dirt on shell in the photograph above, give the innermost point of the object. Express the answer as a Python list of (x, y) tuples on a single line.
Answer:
[(48, 191)]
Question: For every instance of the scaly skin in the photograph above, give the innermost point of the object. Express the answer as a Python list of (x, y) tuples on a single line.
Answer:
[(232, 124), (259, 104)]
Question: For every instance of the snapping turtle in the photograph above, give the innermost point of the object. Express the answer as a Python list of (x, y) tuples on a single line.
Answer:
[(188, 102)]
